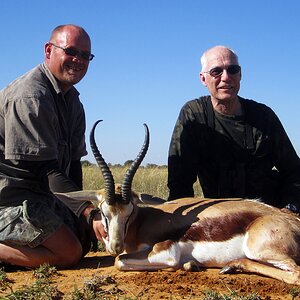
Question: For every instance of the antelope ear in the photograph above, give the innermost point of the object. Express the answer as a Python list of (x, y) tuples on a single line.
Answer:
[(136, 197), (101, 195), (150, 199)]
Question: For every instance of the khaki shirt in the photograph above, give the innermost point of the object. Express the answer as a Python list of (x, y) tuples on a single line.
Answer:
[(37, 123)]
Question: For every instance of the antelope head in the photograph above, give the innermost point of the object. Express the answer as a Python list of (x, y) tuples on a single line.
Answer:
[(117, 203)]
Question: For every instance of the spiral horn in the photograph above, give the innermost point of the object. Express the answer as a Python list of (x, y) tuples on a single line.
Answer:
[(127, 182), (109, 183)]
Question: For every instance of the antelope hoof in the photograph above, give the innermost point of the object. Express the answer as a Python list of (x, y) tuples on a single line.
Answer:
[(228, 270), (191, 266)]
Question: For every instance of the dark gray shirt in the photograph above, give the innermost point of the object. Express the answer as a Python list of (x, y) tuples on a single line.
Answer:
[(233, 156)]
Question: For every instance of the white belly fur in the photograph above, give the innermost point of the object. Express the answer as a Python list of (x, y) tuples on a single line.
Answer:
[(215, 254)]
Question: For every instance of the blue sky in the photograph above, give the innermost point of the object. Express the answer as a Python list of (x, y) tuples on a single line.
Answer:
[(146, 63)]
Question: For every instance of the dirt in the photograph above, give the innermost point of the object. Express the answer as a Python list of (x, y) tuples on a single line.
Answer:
[(154, 285)]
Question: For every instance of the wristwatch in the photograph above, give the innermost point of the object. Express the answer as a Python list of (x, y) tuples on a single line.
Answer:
[(91, 215)]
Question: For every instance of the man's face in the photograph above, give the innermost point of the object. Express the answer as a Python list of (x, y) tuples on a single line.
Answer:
[(225, 86), (68, 69)]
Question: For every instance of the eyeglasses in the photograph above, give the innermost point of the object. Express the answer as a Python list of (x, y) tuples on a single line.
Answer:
[(74, 52), (218, 71)]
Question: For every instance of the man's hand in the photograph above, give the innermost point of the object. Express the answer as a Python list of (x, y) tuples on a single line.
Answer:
[(292, 207), (93, 218), (98, 227)]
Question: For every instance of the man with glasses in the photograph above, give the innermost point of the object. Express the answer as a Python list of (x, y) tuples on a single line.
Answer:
[(42, 139), (235, 146)]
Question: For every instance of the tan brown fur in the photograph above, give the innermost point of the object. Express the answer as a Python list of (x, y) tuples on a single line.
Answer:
[(154, 235)]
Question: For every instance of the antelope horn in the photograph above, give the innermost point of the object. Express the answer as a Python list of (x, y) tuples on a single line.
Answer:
[(109, 183), (127, 182)]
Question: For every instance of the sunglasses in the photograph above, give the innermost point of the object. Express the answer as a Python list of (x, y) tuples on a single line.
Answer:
[(218, 71), (74, 52)]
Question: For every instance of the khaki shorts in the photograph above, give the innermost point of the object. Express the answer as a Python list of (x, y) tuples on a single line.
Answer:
[(33, 222)]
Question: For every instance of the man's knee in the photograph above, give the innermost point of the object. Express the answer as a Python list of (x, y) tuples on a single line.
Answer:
[(65, 247), (69, 259)]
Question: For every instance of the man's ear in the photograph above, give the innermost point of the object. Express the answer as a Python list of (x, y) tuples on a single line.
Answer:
[(47, 50), (202, 79)]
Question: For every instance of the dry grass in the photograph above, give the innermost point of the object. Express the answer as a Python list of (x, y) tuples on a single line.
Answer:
[(149, 180)]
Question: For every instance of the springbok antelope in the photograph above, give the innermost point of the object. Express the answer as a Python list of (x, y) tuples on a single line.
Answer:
[(231, 234)]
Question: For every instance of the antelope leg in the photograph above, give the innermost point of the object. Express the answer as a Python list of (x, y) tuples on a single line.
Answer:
[(164, 255), (246, 265)]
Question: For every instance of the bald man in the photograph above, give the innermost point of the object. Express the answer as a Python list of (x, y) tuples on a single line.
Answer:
[(42, 139), (236, 147)]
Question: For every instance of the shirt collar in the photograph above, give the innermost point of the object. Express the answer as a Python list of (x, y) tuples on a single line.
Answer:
[(54, 83)]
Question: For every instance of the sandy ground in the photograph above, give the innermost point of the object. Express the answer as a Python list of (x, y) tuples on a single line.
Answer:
[(154, 285)]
